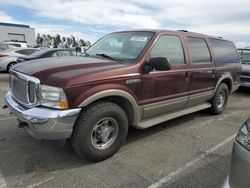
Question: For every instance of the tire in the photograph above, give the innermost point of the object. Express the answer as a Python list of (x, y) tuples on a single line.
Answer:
[(100, 131), (10, 65), (219, 101)]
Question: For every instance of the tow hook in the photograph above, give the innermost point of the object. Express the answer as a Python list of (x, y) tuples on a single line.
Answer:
[(22, 124), (4, 107)]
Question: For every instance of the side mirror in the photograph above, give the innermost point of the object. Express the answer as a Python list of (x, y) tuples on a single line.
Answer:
[(160, 63)]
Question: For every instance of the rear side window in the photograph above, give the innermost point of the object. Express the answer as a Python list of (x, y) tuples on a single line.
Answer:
[(224, 51), (63, 53), (26, 51), (198, 50), (170, 47)]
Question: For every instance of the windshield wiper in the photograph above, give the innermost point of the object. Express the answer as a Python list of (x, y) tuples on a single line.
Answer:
[(107, 56)]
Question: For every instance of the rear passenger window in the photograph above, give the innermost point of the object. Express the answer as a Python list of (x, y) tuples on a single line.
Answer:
[(198, 50), (224, 51), (26, 51), (170, 47), (63, 53)]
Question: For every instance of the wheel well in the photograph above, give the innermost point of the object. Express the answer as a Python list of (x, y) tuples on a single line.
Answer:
[(124, 104), (8, 66), (229, 83)]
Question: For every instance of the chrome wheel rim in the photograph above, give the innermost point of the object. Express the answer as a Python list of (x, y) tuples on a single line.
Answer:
[(104, 133), (221, 99)]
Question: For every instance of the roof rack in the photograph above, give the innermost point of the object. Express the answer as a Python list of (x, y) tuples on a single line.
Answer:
[(183, 30)]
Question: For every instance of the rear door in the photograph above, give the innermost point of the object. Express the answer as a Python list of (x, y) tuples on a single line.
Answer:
[(202, 70), (166, 91)]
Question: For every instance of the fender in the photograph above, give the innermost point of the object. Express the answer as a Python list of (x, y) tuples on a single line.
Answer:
[(137, 110), (226, 75)]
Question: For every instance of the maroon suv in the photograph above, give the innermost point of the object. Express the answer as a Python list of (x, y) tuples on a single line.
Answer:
[(131, 78)]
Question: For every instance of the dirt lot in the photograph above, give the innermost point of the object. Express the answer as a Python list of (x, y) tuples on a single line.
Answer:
[(191, 151)]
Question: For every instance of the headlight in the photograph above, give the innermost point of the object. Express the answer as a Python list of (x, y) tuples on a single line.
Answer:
[(53, 97), (243, 136)]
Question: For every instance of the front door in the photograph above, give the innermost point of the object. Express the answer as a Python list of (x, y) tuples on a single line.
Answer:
[(166, 91)]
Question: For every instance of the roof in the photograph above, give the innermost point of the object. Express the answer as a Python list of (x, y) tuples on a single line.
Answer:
[(14, 25), (158, 31)]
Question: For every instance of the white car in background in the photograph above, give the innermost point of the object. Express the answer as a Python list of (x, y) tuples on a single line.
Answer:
[(9, 57), (18, 44)]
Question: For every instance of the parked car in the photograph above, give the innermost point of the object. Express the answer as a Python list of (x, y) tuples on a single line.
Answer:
[(130, 78), (240, 159), (245, 69), (46, 53), (19, 44), (4, 46), (9, 57)]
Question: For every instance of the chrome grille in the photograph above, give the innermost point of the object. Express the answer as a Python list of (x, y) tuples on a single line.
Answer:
[(24, 88), (19, 89)]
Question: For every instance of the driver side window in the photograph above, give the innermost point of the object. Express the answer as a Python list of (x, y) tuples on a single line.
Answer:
[(170, 47)]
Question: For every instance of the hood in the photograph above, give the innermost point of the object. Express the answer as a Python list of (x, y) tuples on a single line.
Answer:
[(53, 71)]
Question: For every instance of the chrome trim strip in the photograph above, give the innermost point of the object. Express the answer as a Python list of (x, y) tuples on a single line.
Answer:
[(25, 77)]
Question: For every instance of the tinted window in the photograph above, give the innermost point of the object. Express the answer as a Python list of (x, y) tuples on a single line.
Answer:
[(16, 45), (198, 50), (26, 51), (169, 47), (63, 53), (224, 51), (245, 56), (54, 54)]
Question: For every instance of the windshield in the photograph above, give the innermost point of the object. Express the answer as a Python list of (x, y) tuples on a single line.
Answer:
[(121, 46), (245, 57)]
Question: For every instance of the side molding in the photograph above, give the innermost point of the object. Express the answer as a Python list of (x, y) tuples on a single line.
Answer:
[(137, 110)]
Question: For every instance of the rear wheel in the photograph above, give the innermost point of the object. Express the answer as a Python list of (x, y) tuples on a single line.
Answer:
[(219, 101), (100, 131)]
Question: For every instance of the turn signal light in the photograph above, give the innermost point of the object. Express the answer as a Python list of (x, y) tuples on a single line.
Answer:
[(64, 105)]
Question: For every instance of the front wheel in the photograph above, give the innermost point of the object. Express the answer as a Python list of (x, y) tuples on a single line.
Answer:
[(219, 101), (100, 131)]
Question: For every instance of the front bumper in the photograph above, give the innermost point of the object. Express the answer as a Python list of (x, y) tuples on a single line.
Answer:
[(44, 123), (240, 168)]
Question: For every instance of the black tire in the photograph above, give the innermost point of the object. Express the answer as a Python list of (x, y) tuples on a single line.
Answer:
[(219, 101), (10, 65), (85, 130)]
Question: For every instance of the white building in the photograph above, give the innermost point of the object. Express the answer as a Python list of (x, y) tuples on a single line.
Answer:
[(9, 31)]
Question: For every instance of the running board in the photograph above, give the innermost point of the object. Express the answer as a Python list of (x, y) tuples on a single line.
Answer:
[(159, 119)]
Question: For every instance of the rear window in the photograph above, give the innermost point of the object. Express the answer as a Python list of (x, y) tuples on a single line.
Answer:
[(224, 51)]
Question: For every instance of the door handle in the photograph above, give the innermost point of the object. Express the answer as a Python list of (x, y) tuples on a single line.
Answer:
[(187, 75)]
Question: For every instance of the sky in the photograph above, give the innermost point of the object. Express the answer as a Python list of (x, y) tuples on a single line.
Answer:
[(91, 19)]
